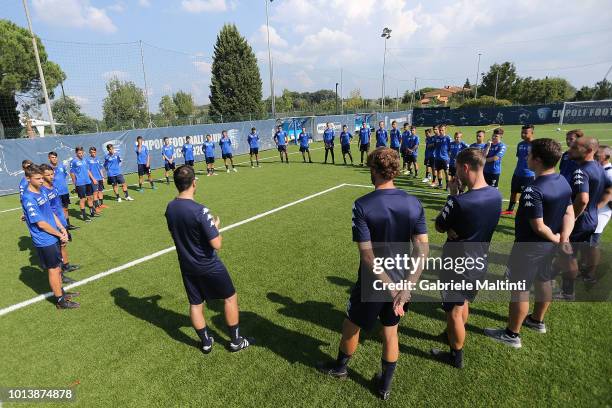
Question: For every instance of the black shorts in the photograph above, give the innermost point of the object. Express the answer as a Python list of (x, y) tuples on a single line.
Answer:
[(143, 169), (452, 170), (452, 298), (84, 191), (189, 162), (519, 183), (226, 156), (364, 147), (282, 148), (429, 162), (50, 256), (254, 150), (100, 185), (209, 286), (346, 148), (304, 149), (441, 164), (169, 166), (492, 179), (113, 180), (531, 262), (365, 314), (329, 146), (210, 160), (65, 200)]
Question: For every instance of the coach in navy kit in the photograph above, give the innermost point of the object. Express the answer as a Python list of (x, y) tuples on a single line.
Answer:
[(545, 218), (196, 235), (523, 176), (589, 182), (385, 215), (480, 205)]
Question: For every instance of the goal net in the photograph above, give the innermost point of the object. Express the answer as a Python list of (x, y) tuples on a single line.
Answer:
[(586, 112)]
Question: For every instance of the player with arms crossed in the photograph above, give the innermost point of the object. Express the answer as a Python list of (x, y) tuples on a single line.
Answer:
[(112, 164), (196, 235), (281, 140), (363, 143), (345, 144), (253, 140), (495, 152), (523, 176), (168, 156), (304, 140), (47, 233), (386, 215), (480, 204), (545, 218)]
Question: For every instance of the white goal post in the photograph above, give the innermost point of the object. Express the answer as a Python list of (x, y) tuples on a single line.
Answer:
[(586, 112)]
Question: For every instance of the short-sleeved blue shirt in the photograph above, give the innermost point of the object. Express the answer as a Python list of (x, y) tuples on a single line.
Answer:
[(226, 145), (381, 137), (37, 208), (253, 140), (59, 180), (280, 137), (454, 149), (142, 155), (95, 167), (167, 152), (187, 150), (522, 151), (304, 139), (329, 136), (112, 164), (345, 138), (396, 138), (209, 149), (364, 135), (496, 150), (80, 168)]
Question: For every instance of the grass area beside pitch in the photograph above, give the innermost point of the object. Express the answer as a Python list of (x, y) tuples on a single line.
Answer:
[(131, 343)]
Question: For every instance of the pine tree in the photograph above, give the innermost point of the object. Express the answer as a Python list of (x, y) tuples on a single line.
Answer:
[(235, 90)]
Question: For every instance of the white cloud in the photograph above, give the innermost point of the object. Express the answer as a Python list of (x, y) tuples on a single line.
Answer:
[(199, 6), (261, 37), (144, 3), (73, 13), (304, 79), (121, 75), (117, 7), (202, 67), (80, 100)]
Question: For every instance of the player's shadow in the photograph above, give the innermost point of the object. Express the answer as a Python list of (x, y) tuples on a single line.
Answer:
[(34, 277), (147, 308), (74, 213), (339, 281)]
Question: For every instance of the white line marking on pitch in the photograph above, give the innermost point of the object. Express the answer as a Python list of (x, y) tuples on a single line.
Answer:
[(135, 262), (161, 180)]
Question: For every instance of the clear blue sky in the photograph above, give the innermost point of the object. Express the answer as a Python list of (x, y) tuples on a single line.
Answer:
[(436, 41)]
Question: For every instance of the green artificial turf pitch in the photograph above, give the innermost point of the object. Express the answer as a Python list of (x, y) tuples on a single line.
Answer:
[(131, 344)]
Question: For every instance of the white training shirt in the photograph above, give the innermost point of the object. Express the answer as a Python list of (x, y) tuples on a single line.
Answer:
[(605, 212)]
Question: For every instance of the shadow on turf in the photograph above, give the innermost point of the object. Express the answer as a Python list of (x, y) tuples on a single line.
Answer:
[(148, 309), (33, 277)]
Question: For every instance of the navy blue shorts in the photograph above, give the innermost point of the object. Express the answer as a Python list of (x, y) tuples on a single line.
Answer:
[(365, 314), (208, 286), (329, 146), (346, 149), (226, 156), (84, 191), (113, 180), (531, 262), (441, 164), (50, 256), (169, 166), (492, 179), (282, 148), (189, 162), (65, 200), (210, 160), (519, 183), (100, 185), (254, 150), (429, 162), (304, 149), (143, 169), (364, 147)]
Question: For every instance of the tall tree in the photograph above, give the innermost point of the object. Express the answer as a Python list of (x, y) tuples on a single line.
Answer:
[(355, 100), (67, 111), (19, 74), (167, 108), (184, 104), (124, 105), (507, 81), (235, 90)]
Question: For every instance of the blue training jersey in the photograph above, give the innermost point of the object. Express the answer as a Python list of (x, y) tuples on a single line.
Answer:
[(187, 150), (454, 149), (304, 139), (396, 138), (253, 140), (167, 152), (59, 180), (329, 136), (381, 137), (142, 155), (442, 147), (345, 138), (226, 145), (209, 149), (494, 167), (364, 136), (430, 146), (522, 151), (95, 167), (37, 208), (112, 164), (80, 168), (280, 137), (56, 203)]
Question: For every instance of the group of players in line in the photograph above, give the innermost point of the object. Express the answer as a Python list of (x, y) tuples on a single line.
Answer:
[(558, 212)]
